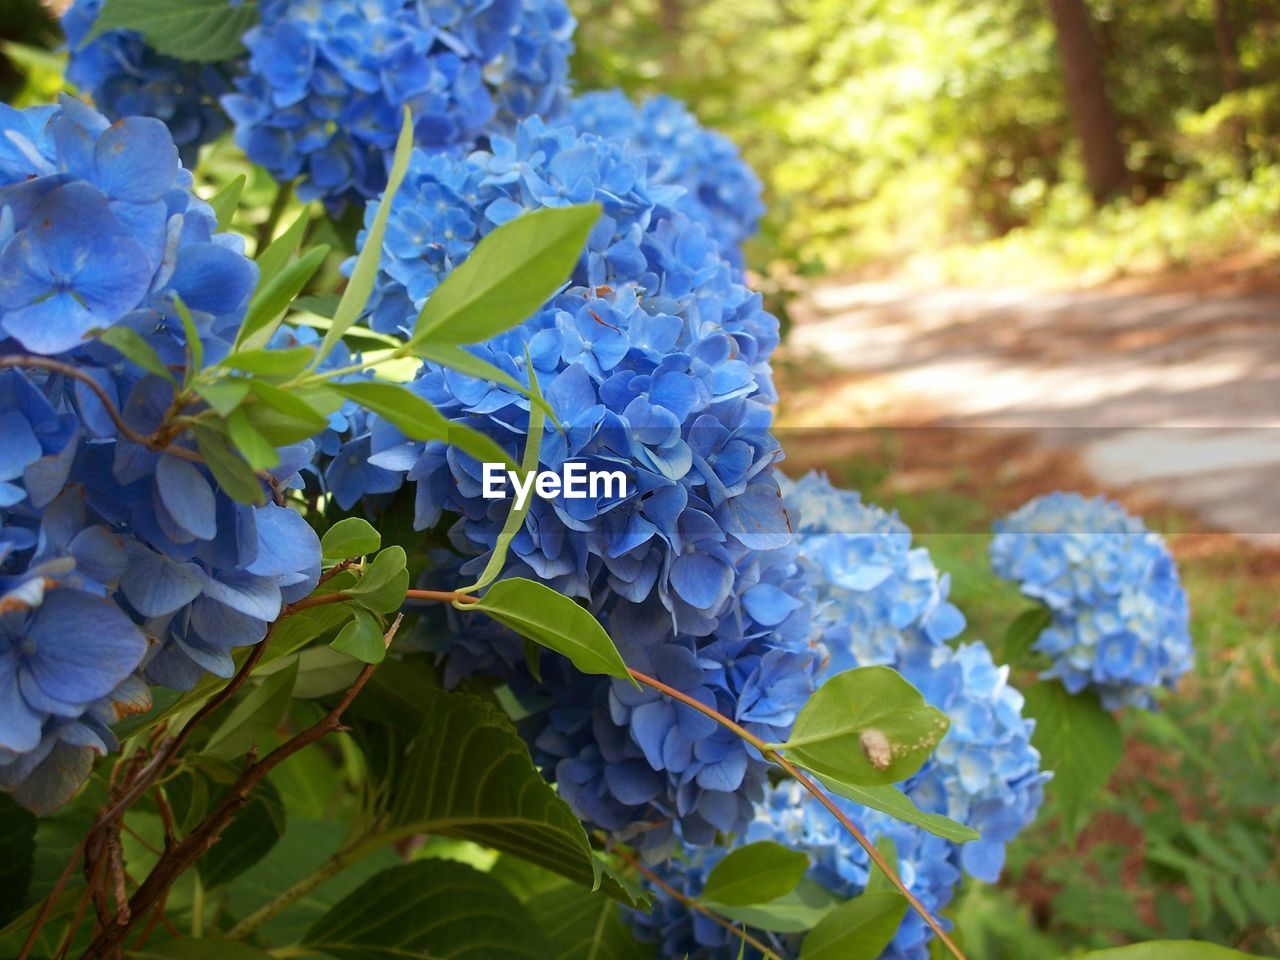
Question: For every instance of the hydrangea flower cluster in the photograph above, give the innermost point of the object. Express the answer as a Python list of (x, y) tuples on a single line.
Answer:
[(655, 360), (127, 78), (984, 774), (1120, 617), (118, 563), (327, 81), (721, 190)]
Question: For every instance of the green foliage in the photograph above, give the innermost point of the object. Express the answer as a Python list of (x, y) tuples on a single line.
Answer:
[(350, 537), (196, 30), (365, 272), (384, 582), (17, 857), (466, 774), (1169, 950), (511, 273), (361, 639), (554, 620), (1078, 740), (795, 912), (867, 726), (856, 930), (584, 926), (429, 909), (756, 873), (254, 717)]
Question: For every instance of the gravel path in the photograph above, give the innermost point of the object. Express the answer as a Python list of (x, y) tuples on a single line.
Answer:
[(1176, 392)]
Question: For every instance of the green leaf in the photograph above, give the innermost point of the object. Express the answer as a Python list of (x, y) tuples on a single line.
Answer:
[(285, 362), (306, 847), (857, 930), (756, 873), (254, 717), (419, 420), (1078, 740), (585, 926), (234, 476), (800, 910), (509, 275), (225, 201), (365, 272), (283, 417), (867, 727), (468, 775), (130, 344), (536, 611), (362, 638), (223, 396), (194, 345), (385, 580), (432, 909), (350, 537), (1023, 632), (200, 31), (248, 838), (268, 305), (1170, 950), (211, 948), (17, 856), (889, 799), (280, 251), (458, 358), (253, 446), (516, 515)]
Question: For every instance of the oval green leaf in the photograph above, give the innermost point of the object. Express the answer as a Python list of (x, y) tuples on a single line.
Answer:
[(756, 873), (857, 930), (350, 537), (866, 727), (536, 611)]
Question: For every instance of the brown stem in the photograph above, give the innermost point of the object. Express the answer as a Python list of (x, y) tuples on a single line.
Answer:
[(151, 442), (161, 441), (693, 904), (184, 854), (441, 596)]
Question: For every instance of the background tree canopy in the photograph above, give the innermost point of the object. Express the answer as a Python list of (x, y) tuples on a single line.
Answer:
[(884, 128)]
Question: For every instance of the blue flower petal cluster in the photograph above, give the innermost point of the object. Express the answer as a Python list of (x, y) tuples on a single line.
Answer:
[(721, 190), (127, 78), (119, 564), (327, 82), (1120, 616), (985, 773), (655, 360)]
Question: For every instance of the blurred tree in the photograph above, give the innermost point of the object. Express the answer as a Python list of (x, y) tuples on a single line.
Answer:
[(1091, 111)]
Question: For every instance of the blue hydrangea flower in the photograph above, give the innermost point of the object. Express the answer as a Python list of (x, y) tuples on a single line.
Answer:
[(118, 563), (984, 774), (126, 78), (655, 360), (721, 190), (98, 226), (327, 81), (1120, 617)]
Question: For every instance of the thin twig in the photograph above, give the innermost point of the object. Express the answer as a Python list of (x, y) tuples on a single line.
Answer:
[(151, 442), (692, 904)]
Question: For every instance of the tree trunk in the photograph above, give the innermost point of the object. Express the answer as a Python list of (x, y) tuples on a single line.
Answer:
[(1091, 112), (1232, 78)]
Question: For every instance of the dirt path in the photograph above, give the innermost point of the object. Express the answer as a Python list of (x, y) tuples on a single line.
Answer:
[(1176, 394)]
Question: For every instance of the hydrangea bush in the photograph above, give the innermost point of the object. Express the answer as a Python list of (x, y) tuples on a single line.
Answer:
[(243, 507), (1120, 617)]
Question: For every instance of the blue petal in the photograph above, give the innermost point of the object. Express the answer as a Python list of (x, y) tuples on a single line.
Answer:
[(155, 585), (701, 581), (136, 160), (187, 496), (84, 646)]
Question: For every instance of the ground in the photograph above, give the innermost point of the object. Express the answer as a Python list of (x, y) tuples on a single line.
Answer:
[(1172, 394)]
